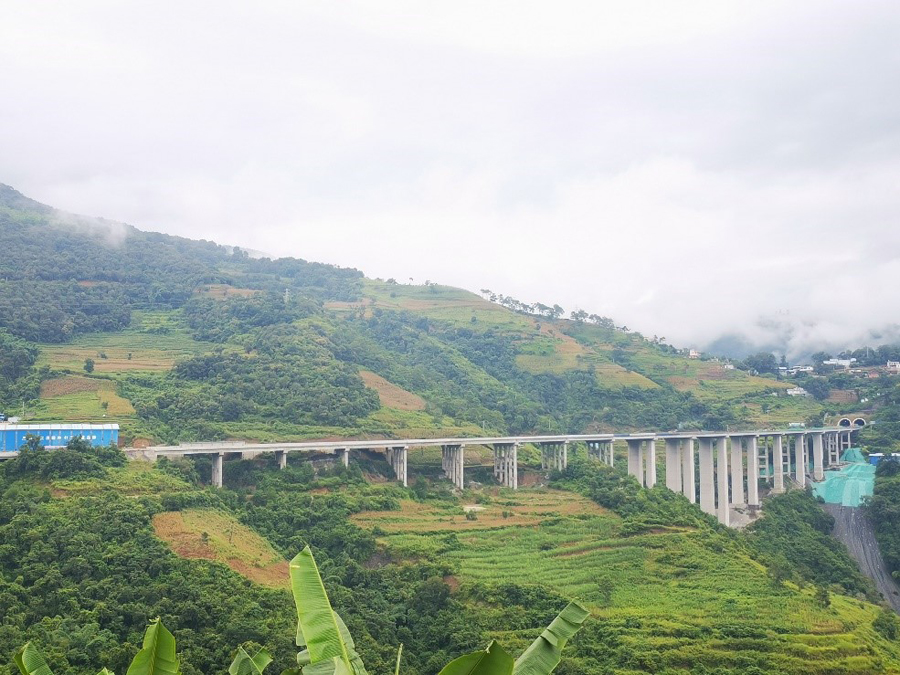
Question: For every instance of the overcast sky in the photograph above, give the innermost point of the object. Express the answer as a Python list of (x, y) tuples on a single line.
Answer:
[(690, 169)]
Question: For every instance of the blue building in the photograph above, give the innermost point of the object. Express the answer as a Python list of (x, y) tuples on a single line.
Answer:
[(12, 436)]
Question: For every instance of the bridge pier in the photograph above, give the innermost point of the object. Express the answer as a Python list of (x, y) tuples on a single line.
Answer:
[(345, 457), (818, 450), (688, 470), (723, 503), (800, 459), (217, 467), (764, 458), (506, 464), (673, 464), (281, 456), (650, 468), (778, 464), (555, 456), (707, 484), (752, 471), (636, 459), (397, 456), (834, 455), (737, 470), (453, 462)]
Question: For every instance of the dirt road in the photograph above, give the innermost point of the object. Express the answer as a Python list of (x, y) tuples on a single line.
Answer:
[(854, 530)]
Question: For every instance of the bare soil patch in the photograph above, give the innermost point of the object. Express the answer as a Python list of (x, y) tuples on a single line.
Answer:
[(212, 535), (390, 395)]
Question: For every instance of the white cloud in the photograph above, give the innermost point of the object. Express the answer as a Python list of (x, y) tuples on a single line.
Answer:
[(691, 169)]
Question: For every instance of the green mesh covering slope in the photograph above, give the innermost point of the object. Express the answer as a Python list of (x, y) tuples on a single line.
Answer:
[(849, 485), (853, 455)]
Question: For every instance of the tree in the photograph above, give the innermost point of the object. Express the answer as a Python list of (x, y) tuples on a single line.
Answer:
[(762, 362), (579, 315), (89, 365)]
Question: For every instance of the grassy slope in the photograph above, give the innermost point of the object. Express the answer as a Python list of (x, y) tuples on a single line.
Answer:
[(673, 598), (157, 340), (679, 597)]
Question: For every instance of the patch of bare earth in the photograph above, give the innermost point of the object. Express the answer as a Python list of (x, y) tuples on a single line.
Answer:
[(192, 540), (390, 395), (63, 386)]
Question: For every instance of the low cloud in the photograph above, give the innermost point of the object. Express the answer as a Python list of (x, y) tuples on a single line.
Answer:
[(710, 170)]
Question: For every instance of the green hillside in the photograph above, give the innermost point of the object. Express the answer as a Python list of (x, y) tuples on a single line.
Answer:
[(93, 549), (190, 340), (180, 340)]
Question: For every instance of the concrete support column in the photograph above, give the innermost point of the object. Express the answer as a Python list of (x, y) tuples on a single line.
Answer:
[(737, 470), (752, 472), (673, 465), (818, 457), (778, 464), (707, 484), (800, 459), (635, 460), (453, 461), (398, 458), (769, 474), (723, 503), (611, 453), (565, 456), (281, 456), (217, 469), (688, 480), (650, 469), (506, 458)]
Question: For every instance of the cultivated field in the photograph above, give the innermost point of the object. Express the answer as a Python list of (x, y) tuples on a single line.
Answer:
[(80, 399), (675, 594), (154, 341), (507, 508)]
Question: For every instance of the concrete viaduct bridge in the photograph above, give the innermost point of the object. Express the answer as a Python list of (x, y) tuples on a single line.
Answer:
[(728, 465)]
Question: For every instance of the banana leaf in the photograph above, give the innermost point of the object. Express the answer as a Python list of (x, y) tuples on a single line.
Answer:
[(331, 667), (157, 656), (31, 662), (490, 661), (317, 627), (543, 655), (244, 664)]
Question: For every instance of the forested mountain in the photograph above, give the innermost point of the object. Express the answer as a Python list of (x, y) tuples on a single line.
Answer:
[(180, 340), (184, 340)]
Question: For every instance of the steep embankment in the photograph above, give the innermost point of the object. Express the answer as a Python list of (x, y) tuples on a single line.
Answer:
[(853, 528)]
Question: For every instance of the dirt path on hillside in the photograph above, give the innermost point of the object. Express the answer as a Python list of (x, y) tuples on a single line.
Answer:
[(853, 529)]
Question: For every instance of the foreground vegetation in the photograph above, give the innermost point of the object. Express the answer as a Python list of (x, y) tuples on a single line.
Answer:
[(668, 589)]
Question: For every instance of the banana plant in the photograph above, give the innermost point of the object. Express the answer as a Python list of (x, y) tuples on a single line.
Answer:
[(541, 657), (244, 664), (330, 649), (328, 645), (156, 657)]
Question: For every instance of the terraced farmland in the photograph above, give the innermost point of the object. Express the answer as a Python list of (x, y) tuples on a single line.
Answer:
[(673, 597)]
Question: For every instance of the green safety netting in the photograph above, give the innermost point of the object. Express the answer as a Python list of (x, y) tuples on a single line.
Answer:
[(850, 484), (853, 455)]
